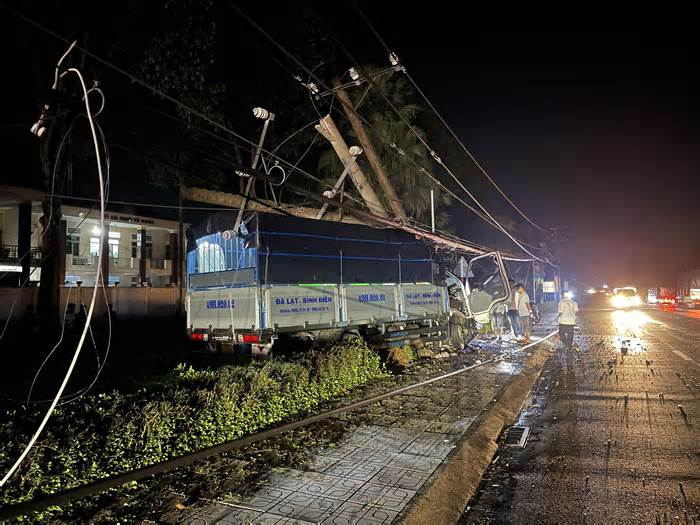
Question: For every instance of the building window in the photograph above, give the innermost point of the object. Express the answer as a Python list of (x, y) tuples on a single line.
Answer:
[(113, 242), (136, 244), (94, 246), (73, 243)]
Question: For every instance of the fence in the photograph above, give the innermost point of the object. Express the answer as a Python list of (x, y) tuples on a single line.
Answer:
[(128, 303)]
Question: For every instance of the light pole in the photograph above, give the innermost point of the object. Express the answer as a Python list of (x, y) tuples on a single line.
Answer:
[(267, 117)]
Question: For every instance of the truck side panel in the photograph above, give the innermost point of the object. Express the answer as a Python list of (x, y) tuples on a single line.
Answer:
[(224, 307), (370, 302), (422, 300), (293, 305)]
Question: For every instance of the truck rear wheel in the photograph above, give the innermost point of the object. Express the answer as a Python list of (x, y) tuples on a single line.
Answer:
[(213, 347), (458, 335), (349, 337)]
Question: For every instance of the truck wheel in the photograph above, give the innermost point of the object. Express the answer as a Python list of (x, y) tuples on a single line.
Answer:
[(348, 337), (213, 347), (457, 336)]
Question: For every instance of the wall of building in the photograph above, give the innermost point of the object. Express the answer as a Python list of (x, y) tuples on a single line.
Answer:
[(9, 226)]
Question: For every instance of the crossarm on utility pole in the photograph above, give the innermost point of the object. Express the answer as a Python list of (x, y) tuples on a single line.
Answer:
[(328, 129), (334, 191)]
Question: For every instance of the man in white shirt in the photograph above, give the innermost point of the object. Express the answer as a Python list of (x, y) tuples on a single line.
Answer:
[(498, 319), (524, 311), (567, 320), (513, 317)]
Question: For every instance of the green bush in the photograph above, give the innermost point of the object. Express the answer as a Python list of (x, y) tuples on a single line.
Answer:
[(107, 434)]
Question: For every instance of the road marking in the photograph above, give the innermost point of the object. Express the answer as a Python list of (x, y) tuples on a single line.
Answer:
[(681, 355)]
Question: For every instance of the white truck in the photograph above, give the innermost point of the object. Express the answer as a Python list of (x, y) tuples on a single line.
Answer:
[(289, 278)]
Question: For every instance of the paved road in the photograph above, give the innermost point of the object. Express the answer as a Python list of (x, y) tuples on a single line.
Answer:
[(615, 429)]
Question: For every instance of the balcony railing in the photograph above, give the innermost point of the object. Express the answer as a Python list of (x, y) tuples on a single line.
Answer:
[(123, 262), (118, 263), (159, 264), (82, 260), (9, 253)]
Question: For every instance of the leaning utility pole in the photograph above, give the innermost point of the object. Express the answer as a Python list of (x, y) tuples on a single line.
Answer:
[(368, 147), (328, 129)]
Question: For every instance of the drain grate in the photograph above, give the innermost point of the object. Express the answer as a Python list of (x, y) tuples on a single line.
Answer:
[(517, 436)]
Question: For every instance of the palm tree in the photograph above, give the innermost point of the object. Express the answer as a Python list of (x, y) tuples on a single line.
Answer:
[(401, 152)]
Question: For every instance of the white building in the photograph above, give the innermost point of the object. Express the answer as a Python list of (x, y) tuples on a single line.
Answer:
[(139, 251)]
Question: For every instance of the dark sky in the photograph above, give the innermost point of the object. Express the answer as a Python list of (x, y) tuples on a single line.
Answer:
[(597, 131)]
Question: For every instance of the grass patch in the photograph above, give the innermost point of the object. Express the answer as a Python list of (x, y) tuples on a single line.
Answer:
[(189, 409)]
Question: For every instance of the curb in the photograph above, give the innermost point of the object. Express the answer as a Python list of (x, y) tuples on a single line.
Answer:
[(456, 482)]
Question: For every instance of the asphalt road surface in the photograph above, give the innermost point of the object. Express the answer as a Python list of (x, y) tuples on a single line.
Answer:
[(615, 429)]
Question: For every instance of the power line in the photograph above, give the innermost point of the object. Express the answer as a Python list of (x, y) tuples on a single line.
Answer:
[(449, 128), (79, 347), (371, 218), (195, 112), (435, 156), (320, 82), (161, 93)]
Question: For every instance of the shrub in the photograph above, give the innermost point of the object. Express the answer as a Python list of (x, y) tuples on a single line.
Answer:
[(107, 434)]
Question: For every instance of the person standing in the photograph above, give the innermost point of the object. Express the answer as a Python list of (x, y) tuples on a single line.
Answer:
[(567, 320), (513, 317), (524, 311), (498, 319)]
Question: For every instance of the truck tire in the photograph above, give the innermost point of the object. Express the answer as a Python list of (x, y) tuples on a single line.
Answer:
[(457, 336), (212, 347), (348, 337)]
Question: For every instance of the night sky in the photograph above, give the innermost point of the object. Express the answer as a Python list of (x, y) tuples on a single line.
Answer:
[(594, 131)]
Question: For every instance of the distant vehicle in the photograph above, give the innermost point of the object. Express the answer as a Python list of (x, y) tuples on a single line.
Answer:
[(652, 295), (625, 297), (691, 301), (666, 297), (662, 296)]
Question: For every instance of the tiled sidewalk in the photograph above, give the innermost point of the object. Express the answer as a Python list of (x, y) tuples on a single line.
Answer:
[(378, 468), (370, 478)]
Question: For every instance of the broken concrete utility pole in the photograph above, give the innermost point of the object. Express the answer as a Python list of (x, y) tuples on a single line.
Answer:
[(328, 129), (233, 200), (368, 147)]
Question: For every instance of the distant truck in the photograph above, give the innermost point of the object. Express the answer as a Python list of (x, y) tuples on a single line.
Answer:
[(284, 277), (662, 296), (692, 300), (652, 295)]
